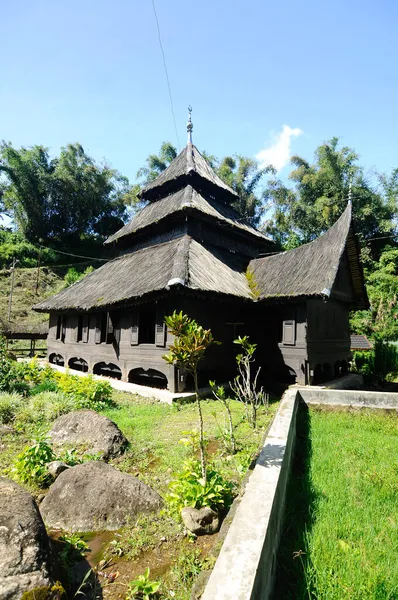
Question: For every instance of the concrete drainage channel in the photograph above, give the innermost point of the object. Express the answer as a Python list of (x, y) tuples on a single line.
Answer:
[(245, 567)]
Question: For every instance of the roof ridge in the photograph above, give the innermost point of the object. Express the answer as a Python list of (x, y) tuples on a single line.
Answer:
[(180, 270)]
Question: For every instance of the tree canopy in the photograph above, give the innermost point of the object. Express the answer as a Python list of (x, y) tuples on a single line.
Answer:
[(62, 199), (319, 195)]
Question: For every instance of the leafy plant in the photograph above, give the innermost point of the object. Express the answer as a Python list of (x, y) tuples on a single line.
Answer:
[(190, 343), (228, 437), (87, 392), (244, 386), (188, 488), (31, 464), (73, 275), (74, 548), (143, 588)]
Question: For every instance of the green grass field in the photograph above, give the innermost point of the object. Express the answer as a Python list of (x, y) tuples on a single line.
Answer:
[(340, 539)]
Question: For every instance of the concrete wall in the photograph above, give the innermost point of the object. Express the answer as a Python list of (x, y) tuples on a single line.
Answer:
[(245, 566)]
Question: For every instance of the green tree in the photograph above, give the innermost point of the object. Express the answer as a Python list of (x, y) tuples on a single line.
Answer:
[(190, 343), (156, 163), (244, 176), (63, 199), (381, 320), (319, 195)]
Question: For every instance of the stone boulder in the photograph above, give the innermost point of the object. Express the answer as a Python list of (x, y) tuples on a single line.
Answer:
[(56, 467), (98, 434), (200, 521), (95, 496), (24, 545)]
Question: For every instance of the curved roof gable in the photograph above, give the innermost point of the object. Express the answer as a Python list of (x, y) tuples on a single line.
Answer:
[(189, 162), (311, 269)]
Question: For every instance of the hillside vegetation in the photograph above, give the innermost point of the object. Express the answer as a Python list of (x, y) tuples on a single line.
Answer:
[(24, 294)]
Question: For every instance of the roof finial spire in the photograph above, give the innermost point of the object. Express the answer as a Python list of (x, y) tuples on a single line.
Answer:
[(350, 189), (189, 125)]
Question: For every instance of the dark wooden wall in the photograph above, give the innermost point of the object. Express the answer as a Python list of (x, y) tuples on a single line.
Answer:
[(295, 341)]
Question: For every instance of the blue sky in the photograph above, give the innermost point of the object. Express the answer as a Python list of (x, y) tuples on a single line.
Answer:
[(92, 72)]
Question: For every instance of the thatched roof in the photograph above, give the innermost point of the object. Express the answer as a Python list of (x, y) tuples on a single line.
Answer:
[(24, 331), (186, 199), (189, 165), (311, 269), (182, 261)]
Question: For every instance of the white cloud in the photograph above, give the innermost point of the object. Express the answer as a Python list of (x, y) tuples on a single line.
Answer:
[(278, 154)]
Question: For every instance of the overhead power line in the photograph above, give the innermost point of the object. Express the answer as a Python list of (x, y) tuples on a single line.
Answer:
[(75, 255), (166, 72)]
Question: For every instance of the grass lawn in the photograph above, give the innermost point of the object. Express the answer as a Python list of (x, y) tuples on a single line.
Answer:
[(154, 431), (340, 539)]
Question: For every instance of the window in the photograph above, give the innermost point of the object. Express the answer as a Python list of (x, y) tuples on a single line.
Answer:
[(85, 328), (101, 328), (79, 336), (61, 328), (146, 332)]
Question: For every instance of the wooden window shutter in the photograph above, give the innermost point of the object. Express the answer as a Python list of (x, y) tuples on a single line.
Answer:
[(160, 328), (289, 332), (134, 328), (86, 327), (98, 329)]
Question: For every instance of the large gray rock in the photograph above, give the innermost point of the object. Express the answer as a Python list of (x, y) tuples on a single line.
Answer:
[(24, 545), (200, 521), (95, 496), (98, 434)]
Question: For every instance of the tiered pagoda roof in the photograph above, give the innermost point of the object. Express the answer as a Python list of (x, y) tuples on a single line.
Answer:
[(190, 192)]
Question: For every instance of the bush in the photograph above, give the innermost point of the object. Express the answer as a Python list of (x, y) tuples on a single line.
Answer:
[(380, 363), (31, 464), (9, 406), (73, 275), (190, 489), (42, 407), (87, 392), (44, 386)]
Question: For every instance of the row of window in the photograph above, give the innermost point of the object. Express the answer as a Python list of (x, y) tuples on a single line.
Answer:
[(147, 327)]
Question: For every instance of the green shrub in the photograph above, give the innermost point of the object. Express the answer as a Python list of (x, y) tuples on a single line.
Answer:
[(87, 392), (10, 403), (73, 275), (44, 386), (363, 362), (189, 488), (385, 360), (31, 464), (46, 406), (379, 363)]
